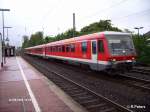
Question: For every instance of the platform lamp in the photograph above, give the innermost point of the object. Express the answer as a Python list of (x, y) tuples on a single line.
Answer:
[(7, 41), (1, 51), (7, 38), (3, 39), (138, 28)]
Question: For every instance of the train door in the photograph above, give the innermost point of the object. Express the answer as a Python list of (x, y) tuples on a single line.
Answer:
[(43, 51), (101, 55), (94, 54)]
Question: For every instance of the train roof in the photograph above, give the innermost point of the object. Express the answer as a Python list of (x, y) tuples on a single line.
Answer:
[(114, 33), (87, 37), (80, 38), (38, 46)]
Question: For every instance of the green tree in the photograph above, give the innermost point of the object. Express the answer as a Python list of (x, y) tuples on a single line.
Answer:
[(102, 25), (142, 48), (49, 39), (46, 39), (36, 39), (39, 38), (66, 35), (25, 41)]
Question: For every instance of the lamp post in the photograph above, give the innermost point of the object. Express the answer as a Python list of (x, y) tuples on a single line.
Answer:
[(138, 28), (74, 26), (7, 38), (3, 38), (1, 58)]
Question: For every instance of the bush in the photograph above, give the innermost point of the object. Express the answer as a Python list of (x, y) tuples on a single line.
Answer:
[(142, 48)]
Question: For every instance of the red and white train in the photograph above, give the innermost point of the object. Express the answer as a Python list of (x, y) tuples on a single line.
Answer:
[(102, 51)]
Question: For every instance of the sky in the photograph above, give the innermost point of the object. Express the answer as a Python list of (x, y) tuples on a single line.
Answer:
[(55, 16)]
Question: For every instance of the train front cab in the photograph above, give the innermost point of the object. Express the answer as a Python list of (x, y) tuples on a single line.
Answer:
[(112, 53)]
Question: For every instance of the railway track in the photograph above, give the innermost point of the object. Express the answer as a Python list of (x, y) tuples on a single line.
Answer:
[(141, 70), (126, 79), (92, 101), (136, 82), (132, 81)]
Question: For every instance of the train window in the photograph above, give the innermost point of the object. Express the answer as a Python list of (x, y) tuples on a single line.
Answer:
[(39, 49), (94, 47), (59, 49), (84, 47), (100, 46), (72, 47), (54, 49), (49, 49), (63, 48), (67, 48)]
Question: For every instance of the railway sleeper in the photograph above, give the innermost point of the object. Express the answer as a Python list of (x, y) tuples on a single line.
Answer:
[(75, 92), (96, 106), (66, 87), (85, 98), (70, 89), (89, 101), (106, 109), (145, 87), (141, 72), (79, 94), (58, 82), (139, 84), (145, 84)]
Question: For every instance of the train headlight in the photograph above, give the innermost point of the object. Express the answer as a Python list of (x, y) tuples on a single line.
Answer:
[(113, 59), (123, 51)]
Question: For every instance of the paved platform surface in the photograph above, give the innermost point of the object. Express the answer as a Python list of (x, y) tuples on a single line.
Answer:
[(24, 89)]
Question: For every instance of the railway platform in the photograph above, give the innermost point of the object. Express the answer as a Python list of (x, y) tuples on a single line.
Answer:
[(24, 89)]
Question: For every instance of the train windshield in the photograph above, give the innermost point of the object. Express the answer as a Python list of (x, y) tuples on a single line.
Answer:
[(120, 45)]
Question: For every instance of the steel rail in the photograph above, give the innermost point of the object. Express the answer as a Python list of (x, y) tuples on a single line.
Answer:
[(137, 82)]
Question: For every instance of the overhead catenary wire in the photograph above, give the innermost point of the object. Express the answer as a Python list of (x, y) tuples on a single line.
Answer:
[(48, 14), (133, 14), (104, 10), (118, 18), (123, 18), (100, 11)]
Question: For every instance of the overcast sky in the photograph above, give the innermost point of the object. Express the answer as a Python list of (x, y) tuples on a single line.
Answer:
[(55, 16)]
